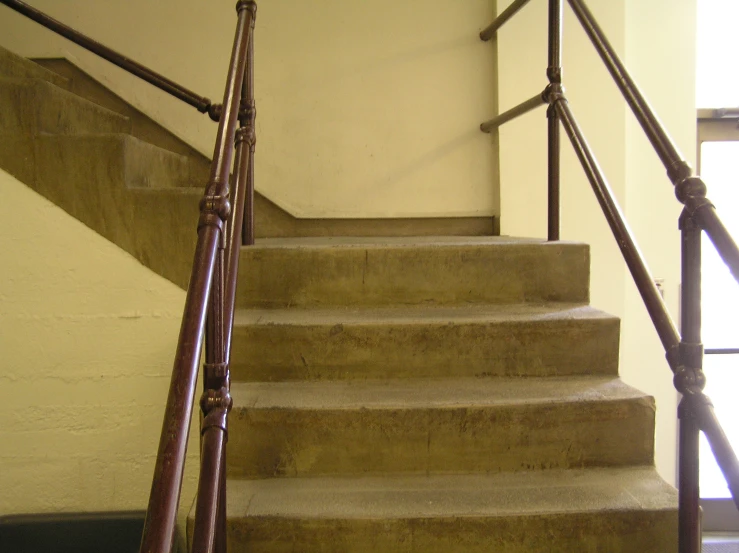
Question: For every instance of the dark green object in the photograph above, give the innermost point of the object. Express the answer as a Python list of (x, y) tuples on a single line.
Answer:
[(111, 532)]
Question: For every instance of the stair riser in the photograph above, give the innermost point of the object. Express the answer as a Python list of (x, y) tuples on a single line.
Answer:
[(34, 107), (425, 274), (297, 442), (275, 352), (606, 532)]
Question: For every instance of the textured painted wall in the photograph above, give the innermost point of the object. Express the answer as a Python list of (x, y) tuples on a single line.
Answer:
[(365, 109), (87, 336)]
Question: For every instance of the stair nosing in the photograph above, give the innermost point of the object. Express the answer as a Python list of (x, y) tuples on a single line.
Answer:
[(459, 313), (414, 394), (495, 495)]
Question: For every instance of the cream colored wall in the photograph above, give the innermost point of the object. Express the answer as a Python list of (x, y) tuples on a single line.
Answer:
[(87, 336), (522, 46), (662, 58), (365, 109)]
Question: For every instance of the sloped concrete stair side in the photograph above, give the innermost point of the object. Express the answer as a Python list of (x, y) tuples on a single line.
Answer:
[(106, 163), (83, 157), (435, 395)]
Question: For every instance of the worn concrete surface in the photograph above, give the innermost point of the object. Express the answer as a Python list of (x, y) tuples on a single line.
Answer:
[(35, 106), (438, 270), (399, 342), (443, 425), (624, 510)]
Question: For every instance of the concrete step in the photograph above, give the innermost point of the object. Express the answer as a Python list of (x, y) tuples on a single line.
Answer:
[(15, 66), (475, 340), (624, 510), (36, 106), (417, 270), (436, 425)]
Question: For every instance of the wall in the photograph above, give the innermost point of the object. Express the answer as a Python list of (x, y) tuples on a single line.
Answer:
[(651, 206), (662, 59), (365, 109), (88, 337)]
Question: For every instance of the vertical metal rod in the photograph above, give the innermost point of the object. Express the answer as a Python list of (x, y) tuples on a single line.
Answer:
[(689, 536), (248, 233), (556, 16), (164, 497), (690, 311), (220, 545), (554, 74), (207, 502), (691, 363), (554, 174)]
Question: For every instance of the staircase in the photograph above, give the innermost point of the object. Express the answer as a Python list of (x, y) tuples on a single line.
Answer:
[(398, 394), (441, 394)]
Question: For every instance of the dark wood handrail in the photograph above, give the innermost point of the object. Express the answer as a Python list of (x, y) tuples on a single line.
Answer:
[(201, 103), (216, 400), (208, 311), (684, 352)]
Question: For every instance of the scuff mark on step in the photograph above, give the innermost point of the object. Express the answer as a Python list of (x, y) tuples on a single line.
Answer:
[(336, 329), (366, 262)]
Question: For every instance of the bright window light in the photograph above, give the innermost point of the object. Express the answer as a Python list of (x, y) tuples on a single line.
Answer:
[(718, 44)]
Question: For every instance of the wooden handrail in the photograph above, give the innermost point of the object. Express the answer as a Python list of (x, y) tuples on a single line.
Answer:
[(209, 300), (201, 103)]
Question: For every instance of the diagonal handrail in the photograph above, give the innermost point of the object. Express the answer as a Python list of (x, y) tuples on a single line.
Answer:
[(684, 352), (226, 222), (690, 190), (201, 103), (208, 311)]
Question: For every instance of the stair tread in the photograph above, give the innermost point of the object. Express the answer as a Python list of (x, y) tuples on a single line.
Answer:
[(414, 314), (399, 242), (429, 393), (446, 496)]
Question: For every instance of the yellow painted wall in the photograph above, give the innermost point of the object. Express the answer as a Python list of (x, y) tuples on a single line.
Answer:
[(365, 109), (87, 336), (662, 60)]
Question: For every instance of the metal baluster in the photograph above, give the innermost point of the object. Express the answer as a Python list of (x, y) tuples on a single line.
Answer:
[(689, 380), (554, 74)]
